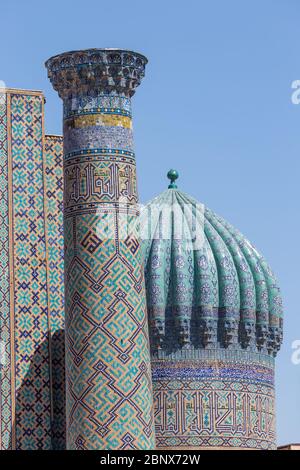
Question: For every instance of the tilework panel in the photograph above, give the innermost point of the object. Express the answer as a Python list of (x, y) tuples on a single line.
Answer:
[(32, 365), (25, 376), (109, 392), (32, 316), (215, 404), (53, 183), (110, 103), (5, 329), (107, 266), (118, 137), (100, 180), (101, 118)]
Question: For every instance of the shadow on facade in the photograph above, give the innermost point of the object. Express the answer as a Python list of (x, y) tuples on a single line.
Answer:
[(33, 427)]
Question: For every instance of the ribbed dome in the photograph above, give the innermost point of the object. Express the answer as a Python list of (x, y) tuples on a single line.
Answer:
[(207, 286)]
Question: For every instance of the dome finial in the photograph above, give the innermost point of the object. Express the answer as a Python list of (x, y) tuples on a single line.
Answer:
[(172, 175)]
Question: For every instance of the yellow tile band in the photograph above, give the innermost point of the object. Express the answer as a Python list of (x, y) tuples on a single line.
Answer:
[(100, 120)]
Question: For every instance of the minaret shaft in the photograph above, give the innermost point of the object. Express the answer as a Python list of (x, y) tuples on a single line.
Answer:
[(109, 396)]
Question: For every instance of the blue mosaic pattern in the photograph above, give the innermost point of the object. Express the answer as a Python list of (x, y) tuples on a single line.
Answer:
[(5, 326), (105, 104), (214, 403), (91, 138), (109, 391), (25, 376), (53, 181)]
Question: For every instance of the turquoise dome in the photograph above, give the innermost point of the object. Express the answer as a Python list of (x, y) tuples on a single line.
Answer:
[(206, 284)]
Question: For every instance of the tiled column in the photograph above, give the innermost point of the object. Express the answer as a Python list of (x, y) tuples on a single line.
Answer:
[(109, 395)]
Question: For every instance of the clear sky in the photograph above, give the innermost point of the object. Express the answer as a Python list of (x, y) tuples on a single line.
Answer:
[(215, 104)]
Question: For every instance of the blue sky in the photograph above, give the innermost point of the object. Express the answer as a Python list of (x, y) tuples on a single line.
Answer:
[(215, 104)]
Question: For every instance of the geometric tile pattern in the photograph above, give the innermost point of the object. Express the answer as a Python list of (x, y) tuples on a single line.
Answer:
[(53, 181), (5, 330), (32, 365), (214, 403), (26, 373), (31, 268), (108, 369), (108, 389)]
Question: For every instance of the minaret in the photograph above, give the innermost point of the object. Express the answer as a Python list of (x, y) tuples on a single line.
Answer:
[(109, 394)]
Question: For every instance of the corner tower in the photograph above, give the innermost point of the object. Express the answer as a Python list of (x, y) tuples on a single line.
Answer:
[(109, 395)]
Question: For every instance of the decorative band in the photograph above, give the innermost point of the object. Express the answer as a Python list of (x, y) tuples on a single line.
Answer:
[(214, 356), (115, 111), (212, 442), (254, 373), (99, 158), (107, 207), (100, 151), (98, 119)]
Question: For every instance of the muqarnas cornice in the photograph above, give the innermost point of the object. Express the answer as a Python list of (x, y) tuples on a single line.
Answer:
[(93, 71)]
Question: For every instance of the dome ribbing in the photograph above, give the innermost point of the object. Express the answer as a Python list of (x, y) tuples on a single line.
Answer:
[(207, 286)]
